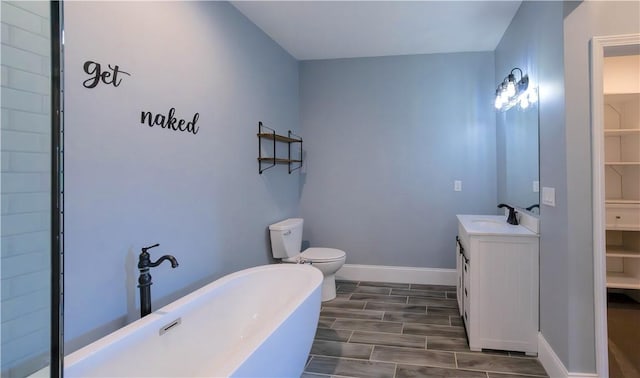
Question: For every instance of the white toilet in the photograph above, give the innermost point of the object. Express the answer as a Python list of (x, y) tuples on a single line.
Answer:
[(286, 239)]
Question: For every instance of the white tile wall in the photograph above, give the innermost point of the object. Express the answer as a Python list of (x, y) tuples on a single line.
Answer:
[(25, 168)]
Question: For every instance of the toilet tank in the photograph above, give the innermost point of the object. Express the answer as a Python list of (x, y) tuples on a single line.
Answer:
[(286, 237)]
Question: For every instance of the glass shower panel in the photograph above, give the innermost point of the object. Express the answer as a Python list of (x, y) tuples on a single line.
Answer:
[(25, 181)]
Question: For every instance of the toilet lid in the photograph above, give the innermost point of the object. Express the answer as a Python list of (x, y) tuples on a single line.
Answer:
[(322, 254)]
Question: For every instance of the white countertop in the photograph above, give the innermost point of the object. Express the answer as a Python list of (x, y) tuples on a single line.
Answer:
[(492, 225)]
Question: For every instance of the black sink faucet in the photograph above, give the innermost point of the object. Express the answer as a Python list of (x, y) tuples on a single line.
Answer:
[(144, 280), (511, 219)]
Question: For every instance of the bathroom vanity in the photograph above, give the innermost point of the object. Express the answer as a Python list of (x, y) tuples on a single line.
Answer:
[(497, 286)]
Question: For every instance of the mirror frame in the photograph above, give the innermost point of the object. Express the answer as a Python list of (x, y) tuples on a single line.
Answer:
[(56, 365)]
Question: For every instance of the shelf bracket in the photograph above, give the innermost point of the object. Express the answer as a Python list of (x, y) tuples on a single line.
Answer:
[(294, 136), (613, 167), (260, 127)]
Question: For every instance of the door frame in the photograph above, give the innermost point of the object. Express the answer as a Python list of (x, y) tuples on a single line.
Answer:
[(598, 45)]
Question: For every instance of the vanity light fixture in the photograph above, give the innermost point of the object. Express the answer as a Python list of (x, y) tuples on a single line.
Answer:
[(511, 92)]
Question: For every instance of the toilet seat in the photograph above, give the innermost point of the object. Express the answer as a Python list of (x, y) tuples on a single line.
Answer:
[(322, 254), (318, 255)]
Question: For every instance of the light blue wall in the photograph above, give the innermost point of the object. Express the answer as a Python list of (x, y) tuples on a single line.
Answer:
[(589, 19), (385, 138), (128, 186), (533, 41), (552, 39)]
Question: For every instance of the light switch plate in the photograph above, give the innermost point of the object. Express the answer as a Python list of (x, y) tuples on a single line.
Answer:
[(549, 196), (457, 185), (536, 186)]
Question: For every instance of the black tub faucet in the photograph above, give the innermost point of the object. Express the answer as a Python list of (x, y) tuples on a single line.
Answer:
[(511, 219), (144, 280)]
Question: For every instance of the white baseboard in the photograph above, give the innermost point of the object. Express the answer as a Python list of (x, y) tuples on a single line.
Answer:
[(400, 274), (552, 363)]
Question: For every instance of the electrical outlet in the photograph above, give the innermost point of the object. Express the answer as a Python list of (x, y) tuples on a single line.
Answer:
[(457, 185)]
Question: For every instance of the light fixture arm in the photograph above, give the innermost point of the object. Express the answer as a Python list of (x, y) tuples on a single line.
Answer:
[(521, 74)]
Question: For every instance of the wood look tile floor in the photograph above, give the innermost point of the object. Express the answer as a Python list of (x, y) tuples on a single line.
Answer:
[(393, 330)]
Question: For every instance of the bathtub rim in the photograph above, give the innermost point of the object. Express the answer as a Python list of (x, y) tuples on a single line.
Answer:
[(160, 316)]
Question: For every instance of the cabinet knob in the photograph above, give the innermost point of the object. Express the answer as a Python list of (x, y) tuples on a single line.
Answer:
[(618, 217)]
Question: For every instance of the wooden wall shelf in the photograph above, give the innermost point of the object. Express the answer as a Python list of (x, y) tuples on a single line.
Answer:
[(272, 160)]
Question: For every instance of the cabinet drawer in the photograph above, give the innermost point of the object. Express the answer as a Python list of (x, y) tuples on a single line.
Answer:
[(623, 216)]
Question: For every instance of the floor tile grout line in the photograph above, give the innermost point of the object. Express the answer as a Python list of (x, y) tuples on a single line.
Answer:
[(500, 355), (308, 362), (384, 333), (350, 335), (524, 375), (423, 365), (375, 320), (352, 359)]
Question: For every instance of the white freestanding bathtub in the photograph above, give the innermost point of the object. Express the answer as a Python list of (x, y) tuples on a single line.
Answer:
[(258, 322)]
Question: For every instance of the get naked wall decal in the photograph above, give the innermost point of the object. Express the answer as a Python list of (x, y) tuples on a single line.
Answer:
[(109, 76)]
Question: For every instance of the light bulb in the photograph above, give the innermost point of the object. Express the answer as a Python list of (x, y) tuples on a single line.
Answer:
[(498, 103), (511, 89), (524, 103), (533, 96), (504, 96)]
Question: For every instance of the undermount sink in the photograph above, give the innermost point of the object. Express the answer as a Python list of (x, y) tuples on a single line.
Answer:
[(488, 222)]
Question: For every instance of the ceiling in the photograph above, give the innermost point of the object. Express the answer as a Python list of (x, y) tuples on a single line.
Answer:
[(348, 29)]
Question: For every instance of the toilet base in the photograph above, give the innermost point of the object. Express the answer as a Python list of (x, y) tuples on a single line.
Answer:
[(329, 288)]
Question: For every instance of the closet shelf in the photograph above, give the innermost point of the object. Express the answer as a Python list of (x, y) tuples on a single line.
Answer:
[(626, 163), (618, 132), (622, 201), (618, 251), (617, 280)]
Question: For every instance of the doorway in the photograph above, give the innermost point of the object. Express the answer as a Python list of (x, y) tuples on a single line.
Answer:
[(615, 99)]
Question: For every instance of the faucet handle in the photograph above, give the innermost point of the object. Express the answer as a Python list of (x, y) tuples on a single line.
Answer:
[(144, 249), (507, 206)]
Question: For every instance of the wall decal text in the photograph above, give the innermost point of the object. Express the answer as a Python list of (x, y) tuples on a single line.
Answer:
[(170, 121), (98, 74)]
